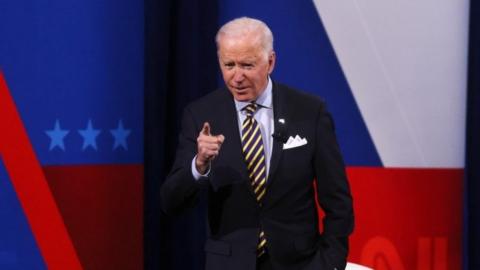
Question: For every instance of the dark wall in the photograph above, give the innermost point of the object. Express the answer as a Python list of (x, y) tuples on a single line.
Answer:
[(180, 66), (472, 236)]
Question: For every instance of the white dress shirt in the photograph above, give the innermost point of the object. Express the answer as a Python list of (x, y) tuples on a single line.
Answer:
[(264, 117)]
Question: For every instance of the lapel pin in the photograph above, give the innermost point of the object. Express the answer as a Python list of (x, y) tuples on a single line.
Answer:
[(281, 121)]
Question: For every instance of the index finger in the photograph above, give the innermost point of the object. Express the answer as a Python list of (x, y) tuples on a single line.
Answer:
[(206, 129)]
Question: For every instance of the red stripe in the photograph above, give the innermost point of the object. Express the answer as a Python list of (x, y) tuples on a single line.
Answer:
[(102, 207), (32, 188), (407, 218)]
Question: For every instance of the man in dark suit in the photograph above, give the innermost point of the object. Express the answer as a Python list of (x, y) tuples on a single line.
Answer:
[(257, 148)]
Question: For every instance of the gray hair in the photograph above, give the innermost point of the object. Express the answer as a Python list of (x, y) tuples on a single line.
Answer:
[(244, 26)]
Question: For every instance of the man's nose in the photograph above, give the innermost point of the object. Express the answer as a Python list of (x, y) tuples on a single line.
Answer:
[(238, 76)]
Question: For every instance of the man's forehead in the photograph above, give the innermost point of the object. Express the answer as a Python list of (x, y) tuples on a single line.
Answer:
[(239, 45), (240, 53), (247, 37), (239, 58)]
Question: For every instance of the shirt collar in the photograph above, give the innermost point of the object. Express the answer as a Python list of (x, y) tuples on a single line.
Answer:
[(264, 100)]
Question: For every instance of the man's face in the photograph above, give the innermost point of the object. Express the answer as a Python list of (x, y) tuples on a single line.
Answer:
[(244, 67)]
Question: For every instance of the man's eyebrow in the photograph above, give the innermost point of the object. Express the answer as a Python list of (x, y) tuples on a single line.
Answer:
[(248, 60)]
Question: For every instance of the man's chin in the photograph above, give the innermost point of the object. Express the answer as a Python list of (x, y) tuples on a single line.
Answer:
[(243, 96)]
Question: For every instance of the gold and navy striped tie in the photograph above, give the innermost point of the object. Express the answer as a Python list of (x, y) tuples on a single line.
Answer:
[(254, 154)]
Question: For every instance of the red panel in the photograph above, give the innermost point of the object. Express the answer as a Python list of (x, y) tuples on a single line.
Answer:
[(407, 218), (102, 206), (32, 188)]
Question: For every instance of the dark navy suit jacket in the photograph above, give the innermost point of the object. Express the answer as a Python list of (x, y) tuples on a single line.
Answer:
[(288, 213)]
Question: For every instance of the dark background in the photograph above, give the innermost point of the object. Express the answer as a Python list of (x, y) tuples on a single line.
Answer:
[(180, 59), (472, 207)]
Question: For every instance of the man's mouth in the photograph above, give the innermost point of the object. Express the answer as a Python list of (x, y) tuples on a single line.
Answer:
[(241, 89)]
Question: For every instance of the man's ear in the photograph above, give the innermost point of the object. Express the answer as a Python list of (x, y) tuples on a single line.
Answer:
[(271, 62)]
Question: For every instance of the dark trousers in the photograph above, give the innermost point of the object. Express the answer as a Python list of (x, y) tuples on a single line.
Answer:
[(264, 262)]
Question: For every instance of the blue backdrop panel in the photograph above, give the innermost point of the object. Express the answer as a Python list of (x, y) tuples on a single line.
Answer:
[(18, 249), (75, 62), (75, 70)]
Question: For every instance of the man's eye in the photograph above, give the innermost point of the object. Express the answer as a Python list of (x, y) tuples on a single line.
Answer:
[(247, 66), (229, 65)]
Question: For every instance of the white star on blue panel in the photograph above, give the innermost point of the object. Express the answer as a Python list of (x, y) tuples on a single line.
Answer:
[(57, 134), (120, 135), (89, 136)]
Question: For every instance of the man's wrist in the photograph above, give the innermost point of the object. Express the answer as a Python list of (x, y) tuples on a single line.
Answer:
[(197, 172), (201, 167)]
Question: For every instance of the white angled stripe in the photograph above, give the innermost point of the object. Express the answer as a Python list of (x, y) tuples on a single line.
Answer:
[(406, 64)]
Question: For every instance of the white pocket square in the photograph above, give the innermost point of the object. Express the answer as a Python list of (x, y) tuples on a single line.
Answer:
[(294, 142)]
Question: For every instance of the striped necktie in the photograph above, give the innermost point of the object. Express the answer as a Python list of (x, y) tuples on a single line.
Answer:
[(254, 154)]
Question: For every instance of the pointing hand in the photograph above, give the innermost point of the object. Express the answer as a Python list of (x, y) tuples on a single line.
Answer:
[(208, 147)]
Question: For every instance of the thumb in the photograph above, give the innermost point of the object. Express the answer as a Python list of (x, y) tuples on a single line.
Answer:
[(206, 129), (220, 138)]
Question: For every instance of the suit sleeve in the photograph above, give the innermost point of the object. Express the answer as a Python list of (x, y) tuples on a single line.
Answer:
[(180, 190), (333, 191)]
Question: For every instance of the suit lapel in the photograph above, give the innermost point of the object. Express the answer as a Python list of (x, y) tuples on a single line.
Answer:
[(232, 145), (277, 144)]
